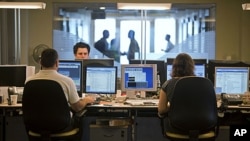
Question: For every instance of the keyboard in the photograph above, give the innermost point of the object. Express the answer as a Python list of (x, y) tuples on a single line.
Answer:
[(230, 99), (244, 105), (142, 102), (233, 101)]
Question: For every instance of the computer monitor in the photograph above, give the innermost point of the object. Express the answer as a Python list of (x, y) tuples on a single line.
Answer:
[(231, 80), (94, 63), (161, 67), (72, 69), (100, 80), (221, 63), (97, 62), (200, 67), (15, 75), (139, 77)]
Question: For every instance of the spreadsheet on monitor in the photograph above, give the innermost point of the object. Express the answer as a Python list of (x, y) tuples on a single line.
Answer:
[(101, 80), (231, 80)]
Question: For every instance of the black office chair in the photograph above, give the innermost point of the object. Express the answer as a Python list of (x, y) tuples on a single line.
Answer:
[(193, 111), (46, 112)]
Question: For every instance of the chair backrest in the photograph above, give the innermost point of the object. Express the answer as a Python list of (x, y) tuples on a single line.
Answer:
[(193, 105), (44, 105)]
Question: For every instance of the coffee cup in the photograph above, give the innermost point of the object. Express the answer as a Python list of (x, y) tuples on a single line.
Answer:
[(13, 99)]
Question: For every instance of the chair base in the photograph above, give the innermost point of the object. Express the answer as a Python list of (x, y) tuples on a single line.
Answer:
[(209, 136), (72, 135)]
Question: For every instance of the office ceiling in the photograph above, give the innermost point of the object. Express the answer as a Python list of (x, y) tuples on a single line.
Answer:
[(111, 7)]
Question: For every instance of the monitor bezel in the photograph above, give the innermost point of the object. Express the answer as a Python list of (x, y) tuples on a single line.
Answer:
[(221, 63), (221, 67), (81, 81), (98, 92), (196, 62), (153, 89), (92, 62), (14, 83)]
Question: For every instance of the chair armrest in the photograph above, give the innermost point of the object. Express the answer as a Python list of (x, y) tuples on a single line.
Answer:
[(162, 116), (81, 113)]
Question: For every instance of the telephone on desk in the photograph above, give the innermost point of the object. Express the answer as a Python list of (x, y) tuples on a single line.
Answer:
[(231, 99)]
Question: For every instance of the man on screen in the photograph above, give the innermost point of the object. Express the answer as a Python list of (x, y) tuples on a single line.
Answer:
[(81, 50)]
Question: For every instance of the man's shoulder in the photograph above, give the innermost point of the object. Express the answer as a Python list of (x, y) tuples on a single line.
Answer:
[(62, 77)]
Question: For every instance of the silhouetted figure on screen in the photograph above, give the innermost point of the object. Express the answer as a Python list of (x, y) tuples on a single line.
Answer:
[(115, 49), (170, 45), (133, 46), (102, 45)]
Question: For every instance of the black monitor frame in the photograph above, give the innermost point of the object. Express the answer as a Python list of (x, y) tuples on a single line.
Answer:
[(196, 62), (221, 63), (13, 75), (93, 62)]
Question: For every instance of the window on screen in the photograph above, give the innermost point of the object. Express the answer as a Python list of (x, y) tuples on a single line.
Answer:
[(139, 77), (231, 80), (72, 69), (101, 80), (200, 70)]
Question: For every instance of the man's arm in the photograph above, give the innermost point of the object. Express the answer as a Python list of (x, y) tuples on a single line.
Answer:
[(82, 103)]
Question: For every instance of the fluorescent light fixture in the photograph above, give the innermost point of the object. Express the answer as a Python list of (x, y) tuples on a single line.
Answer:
[(246, 6), (22, 5), (144, 6), (102, 8)]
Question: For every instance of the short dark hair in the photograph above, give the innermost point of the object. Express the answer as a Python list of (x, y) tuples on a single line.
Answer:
[(183, 65), (80, 45), (49, 57)]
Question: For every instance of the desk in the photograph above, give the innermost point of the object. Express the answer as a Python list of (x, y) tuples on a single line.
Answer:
[(145, 124), (12, 123)]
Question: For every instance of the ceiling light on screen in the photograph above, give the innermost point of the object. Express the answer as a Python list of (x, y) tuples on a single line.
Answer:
[(246, 6), (22, 5), (144, 6)]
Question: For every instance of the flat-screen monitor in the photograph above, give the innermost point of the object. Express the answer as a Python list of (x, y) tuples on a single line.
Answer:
[(221, 63), (72, 69), (139, 77), (100, 80), (161, 67), (97, 62), (94, 63), (14, 75), (200, 67), (231, 80)]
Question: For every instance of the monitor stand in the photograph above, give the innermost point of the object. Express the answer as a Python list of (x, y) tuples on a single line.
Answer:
[(136, 94)]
